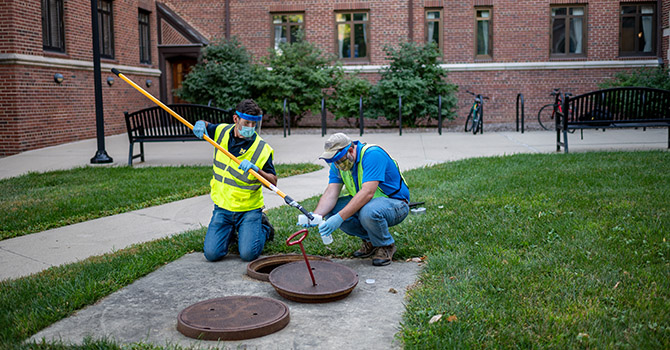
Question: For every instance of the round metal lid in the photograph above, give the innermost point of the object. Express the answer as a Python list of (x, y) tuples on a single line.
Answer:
[(233, 318), (333, 281), (260, 268)]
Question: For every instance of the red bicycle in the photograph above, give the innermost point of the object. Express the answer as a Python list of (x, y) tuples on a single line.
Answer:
[(548, 112)]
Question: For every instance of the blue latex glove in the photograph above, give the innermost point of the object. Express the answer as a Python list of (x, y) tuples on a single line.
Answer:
[(307, 225), (330, 225), (245, 165), (199, 128)]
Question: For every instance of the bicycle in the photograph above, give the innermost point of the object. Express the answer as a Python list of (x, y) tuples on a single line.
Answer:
[(548, 112), (474, 120)]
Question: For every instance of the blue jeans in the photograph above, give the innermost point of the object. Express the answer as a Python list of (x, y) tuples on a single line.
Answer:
[(251, 233), (371, 223)]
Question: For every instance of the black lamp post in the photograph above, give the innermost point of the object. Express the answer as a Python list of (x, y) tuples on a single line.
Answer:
[(101, 155)]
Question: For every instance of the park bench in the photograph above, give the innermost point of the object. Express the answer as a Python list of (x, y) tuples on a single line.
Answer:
[(154, 124), (622, 107)]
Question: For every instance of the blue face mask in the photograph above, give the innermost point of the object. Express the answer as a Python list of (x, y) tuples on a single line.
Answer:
[(247, 131)]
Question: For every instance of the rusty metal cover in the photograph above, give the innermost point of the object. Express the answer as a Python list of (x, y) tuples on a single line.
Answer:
[(333, 281), (260, 268), (233, 318)]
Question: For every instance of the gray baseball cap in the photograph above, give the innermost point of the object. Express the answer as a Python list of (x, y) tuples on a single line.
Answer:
[(334, 144)]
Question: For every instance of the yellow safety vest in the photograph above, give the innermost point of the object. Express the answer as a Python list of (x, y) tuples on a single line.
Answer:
[(232, 189), (348, 179)]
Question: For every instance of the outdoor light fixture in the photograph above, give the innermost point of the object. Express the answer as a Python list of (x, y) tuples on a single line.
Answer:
[(58, 78), (149, 82), (110, 81)]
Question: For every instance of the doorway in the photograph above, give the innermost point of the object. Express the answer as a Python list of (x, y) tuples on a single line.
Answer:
[(180, 69)]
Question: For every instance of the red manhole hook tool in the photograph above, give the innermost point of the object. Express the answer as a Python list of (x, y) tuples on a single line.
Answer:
[(299, 242)]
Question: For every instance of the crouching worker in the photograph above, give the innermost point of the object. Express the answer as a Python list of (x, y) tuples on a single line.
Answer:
[(236, 193), (377, 198)]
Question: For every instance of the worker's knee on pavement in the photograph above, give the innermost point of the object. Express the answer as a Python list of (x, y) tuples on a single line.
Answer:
[(213, 255), (249, 254)]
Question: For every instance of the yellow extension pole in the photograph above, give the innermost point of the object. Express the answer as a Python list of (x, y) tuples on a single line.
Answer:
[(260, 178)]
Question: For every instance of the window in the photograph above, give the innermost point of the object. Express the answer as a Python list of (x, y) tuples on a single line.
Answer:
[(145, 39), (286, 27), (53, 35), (352, 36), (434, 27), (568, 31), (637, 30), (106, 28), (484, 33)]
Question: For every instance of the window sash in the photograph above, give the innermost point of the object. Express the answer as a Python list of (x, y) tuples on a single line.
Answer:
[(637, 33), (568, 31), (484, 32), (433, 27), (106, 28), (143, 19), (285, 27), (53, 33), (352, 34)]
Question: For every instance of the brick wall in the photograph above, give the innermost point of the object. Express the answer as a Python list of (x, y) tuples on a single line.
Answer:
[(35, 111)]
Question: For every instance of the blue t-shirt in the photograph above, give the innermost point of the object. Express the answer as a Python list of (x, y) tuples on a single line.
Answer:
[(236, 145), (377, 166)]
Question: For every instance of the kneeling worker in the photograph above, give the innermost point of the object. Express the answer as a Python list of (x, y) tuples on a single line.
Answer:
[(378, 196), (238, 195)]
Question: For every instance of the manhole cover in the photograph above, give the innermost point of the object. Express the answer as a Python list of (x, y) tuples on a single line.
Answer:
[(333, 281), (260, 268), (233, 318)]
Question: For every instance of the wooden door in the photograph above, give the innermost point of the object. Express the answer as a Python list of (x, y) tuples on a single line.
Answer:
[(180, 68)]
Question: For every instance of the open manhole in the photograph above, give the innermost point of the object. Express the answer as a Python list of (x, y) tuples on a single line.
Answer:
[(233, 318), (260, 268), (333, 281)]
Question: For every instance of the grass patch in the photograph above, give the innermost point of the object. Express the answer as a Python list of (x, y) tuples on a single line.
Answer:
[(40, 201), (525, 251)]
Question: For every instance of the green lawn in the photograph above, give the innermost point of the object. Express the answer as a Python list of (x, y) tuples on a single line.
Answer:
[(41, 201), (527, 251)]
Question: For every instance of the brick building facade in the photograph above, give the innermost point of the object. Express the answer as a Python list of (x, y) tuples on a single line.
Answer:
[(498, 48)]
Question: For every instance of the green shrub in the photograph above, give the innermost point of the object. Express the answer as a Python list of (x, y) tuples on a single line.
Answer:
[(658, 78), (415, 75), (222, 76), (346, 94), (298, 72)]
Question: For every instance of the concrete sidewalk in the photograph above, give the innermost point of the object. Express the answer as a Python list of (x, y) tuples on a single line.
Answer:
[(32, 253)]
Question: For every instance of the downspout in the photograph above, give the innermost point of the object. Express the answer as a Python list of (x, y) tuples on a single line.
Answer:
[(227, 16), (410, 20)]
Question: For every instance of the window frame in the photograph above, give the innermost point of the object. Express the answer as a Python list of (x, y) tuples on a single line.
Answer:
[(301, 25), (440, 26), (106, 52), (568, 18), (146, 49), (638, 16), (490, 32), (352, 23), (47, 26)]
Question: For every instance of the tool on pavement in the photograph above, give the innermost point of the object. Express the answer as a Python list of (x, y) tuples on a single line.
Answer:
[(290, 201)]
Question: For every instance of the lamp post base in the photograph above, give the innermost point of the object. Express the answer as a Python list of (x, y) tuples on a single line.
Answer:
[(101, 157)]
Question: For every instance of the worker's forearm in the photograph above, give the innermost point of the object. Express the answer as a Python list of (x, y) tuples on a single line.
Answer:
[(328, 200)]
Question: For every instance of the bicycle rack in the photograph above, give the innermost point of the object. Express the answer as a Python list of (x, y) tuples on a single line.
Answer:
[(360, 114), (400, 114), (439, 114), (519, 97), (323, 117), (287, 121)]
